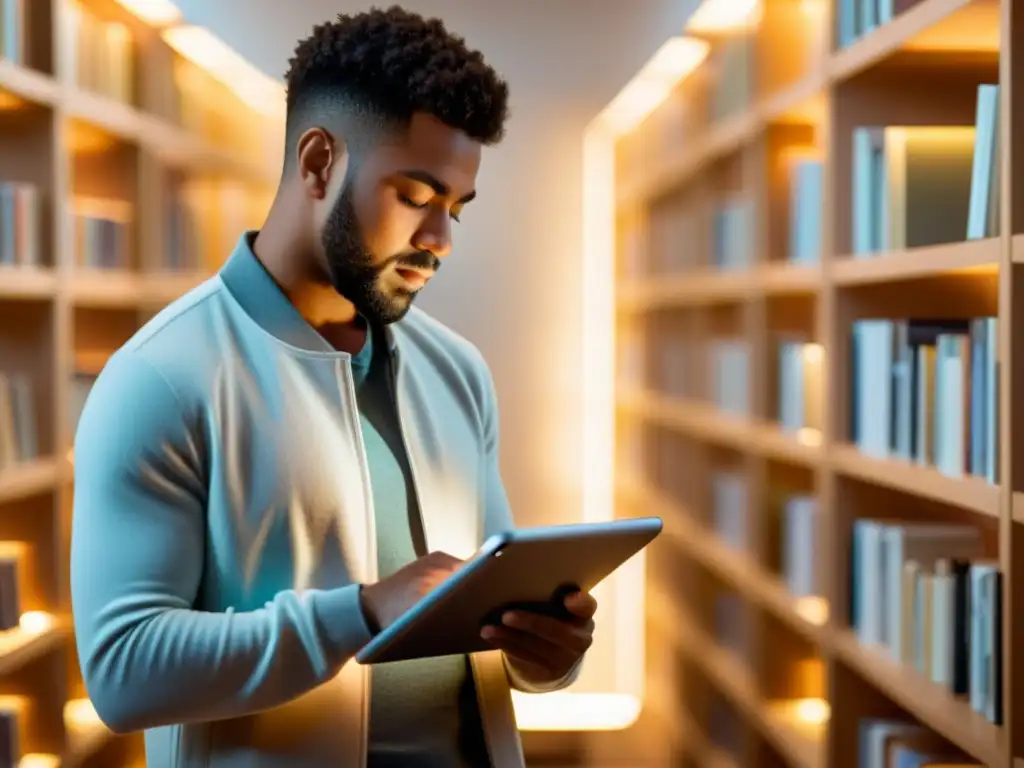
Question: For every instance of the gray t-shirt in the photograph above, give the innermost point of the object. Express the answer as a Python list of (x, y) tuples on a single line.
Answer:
[(423, 713)]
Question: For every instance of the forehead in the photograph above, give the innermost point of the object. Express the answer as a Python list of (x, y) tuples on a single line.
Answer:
[(432, 146)]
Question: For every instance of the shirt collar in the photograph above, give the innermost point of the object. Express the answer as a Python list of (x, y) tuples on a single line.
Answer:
[(263, 300)]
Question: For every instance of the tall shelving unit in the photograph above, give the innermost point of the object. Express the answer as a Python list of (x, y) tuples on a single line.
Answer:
[(126, 173), (743, 672)]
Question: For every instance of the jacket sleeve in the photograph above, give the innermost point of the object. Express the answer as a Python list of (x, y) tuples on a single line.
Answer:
[(498, 517), (137, 555)]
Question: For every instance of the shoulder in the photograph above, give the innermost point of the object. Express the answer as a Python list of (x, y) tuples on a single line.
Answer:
[(184, 343), (444, 346), (149, 380)]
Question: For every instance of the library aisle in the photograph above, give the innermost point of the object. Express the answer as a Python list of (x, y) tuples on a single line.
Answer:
[(820, 258), (126, 173)]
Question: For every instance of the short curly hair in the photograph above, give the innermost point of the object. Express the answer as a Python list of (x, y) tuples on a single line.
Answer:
[(386, 65)]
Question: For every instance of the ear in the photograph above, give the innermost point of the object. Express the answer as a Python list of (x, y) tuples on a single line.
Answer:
[(319, 157)]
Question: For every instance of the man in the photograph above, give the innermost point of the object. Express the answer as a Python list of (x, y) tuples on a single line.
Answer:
[(286, 459)]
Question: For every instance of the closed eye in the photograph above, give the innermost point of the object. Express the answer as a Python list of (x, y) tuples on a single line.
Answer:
[(420, 206)]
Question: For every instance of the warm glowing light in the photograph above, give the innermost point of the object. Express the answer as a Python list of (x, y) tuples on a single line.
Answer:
[(81, 713), (813, 353), (156, 13), (809, 436), (204, 49), (561, 711), (10, 103), (806, 717), (813, 610), (670, 64), (813, 9), (716, 17), (811, 711), (35, 622), (39, 760), (609, 693), (86, 139)]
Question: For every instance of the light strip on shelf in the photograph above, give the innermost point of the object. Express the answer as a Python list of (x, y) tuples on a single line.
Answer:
[(716, 17), (563, 711), (156, 13), (677, 58), (610, 692), (204, 49)]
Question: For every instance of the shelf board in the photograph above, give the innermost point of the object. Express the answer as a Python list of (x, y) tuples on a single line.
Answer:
[(712, 286), (18, 647), (802, 101), (701, 286), (958, 32), (785, 277), (28, 479), (930, 703), (704, 422), (28, 84), (112, 116), (736, 569), (735, 680), (973, 493), (87, 734), (117, 288), (18, 282), (930, 25), (716, 142), (927, 701), (128, 123), (930, 261)]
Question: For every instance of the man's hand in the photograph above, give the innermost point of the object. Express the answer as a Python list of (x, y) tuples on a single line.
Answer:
[(542, 648), (389, 598)]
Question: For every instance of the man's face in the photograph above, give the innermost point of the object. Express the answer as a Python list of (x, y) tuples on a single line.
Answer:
[(389, 223)]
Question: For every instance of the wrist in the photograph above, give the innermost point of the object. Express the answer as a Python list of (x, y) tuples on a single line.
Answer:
[(369, 616)]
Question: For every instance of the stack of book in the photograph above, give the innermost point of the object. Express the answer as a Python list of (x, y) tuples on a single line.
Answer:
[(98, 52), (13, 560), (19, 224), (893, 742), (926, 390), (19, 440), (926, 185), (730, 375), (102, 231), (801, 403), (927, 595)]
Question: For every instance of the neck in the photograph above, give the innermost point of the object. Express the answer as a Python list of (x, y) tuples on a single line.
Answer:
[(290, 257)]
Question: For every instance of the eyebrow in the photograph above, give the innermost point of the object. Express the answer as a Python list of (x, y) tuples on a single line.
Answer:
[(435, 183)]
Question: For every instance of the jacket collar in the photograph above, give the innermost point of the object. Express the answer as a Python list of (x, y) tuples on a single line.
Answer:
[(262, 299)]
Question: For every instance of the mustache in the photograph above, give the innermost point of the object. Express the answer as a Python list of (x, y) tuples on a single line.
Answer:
[(419, 260)]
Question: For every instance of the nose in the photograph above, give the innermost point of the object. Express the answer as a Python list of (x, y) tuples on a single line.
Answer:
[(435, 235)]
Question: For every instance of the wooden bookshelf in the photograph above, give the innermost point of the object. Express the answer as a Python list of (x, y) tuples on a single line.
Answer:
[(701, 390), (133, 172)]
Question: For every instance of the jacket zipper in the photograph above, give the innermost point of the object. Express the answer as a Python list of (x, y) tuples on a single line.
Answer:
[(393, 363), (371, 526)]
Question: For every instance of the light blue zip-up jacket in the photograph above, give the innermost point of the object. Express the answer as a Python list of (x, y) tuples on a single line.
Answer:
[(223, 522)]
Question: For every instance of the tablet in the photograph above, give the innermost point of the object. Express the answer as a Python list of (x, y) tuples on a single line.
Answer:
[(532, 568)]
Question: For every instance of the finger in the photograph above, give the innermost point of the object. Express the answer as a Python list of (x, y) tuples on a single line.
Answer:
[(441, 559), (581, 604), (528, 649), (432, 579), (559, 633)]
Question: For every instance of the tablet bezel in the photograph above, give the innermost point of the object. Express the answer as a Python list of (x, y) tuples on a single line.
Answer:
[(438, 598)]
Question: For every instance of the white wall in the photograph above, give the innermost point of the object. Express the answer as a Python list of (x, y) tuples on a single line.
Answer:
[(513, 283)]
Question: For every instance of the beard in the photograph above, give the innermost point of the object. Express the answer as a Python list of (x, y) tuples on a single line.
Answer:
[(356, 274)]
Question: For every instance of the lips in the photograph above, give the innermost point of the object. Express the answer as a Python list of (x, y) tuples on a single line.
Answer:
[(414, 278)]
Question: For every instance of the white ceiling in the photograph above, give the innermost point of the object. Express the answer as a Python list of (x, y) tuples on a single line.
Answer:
[(578, 50)]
